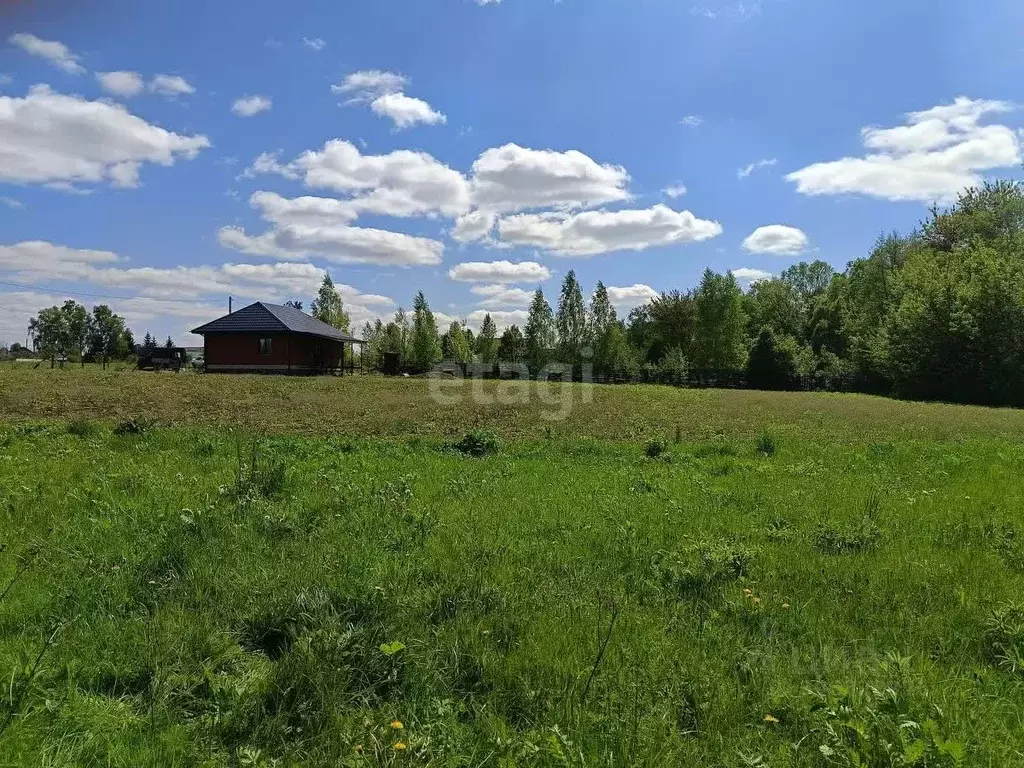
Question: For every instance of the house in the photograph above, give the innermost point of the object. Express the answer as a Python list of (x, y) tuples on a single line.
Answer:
[(269, 338)]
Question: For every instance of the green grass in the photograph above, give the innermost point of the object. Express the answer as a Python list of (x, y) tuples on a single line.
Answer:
[(666, 577)]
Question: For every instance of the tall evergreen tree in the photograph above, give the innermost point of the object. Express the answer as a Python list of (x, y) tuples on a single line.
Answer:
[(328, 306), (425, 348), (571, 320), (602, 313), (487, 341), (540, 333), (512, 348)]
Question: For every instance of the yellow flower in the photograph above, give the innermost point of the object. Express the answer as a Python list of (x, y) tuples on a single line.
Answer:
[(757, 600), (748, 592), (397, 725), (785, 606), (359, 748), (400, 746), (769, 718)]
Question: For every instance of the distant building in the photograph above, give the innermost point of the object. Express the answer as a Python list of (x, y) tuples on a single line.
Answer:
[(270, 338)]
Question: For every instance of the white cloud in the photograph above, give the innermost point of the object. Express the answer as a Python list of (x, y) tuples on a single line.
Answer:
[(499, 272), (6, 79), (749, 276), (49, 138), (692, 121), (627, 297), (402, 183), (405, 111), (776, 239), (513, 178), (473, 226), (340, 244), (315, 43), (368, 84), (10, 202), (56, 53), (247, 106), (938, 153), (170, 85), (125, 84), (595, 232), (675, 191), (749, 169), (502, 319), (500, 296)]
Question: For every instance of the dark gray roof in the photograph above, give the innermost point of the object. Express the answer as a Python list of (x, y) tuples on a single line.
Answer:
[(273, 318)]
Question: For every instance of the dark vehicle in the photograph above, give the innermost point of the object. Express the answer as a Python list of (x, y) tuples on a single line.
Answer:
[(161, 358)]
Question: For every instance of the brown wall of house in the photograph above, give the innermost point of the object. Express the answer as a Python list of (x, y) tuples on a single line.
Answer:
[(289, 353)]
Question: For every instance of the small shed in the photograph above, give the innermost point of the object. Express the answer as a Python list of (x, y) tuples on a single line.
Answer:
[(270, 338)]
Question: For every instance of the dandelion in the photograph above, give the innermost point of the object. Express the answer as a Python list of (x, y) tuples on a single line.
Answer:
[(785, 606), (397, 725), (400, 746), (748, 592), (757, 600), (771, 719)]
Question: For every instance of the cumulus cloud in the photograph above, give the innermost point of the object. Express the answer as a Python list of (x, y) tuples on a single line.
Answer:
[(776, 239), (401, 183), (126, 84), (170, 291), (383, 91), (513, 178), (675, 191), (405, 111), (56, 53), (749, 275), (594, 232), (247, 106), (171, 85), (938, 153), (368, 84), (626, 297), (749, 169), (340, 244), (473, 226), (499, 296), (314, 43), (499, 272), (50, 138)]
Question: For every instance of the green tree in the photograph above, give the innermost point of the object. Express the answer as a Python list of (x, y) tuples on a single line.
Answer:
[(773, 304), (540, 333), (571, 321), (169, 343), (614, 354), (720, 328), (459, 346), (77, 328), (425, 347), (110, 337), (770, 365), (671, 322), (487, 341), (512, 348), (294, 305), (328, 306), (48, 333), (148, 342), (602, 313)]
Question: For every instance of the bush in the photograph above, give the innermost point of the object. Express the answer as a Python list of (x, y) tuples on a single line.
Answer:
[(1003, 638), (655, 449), (478, 443), (862, 535), (766, 444), (772, 364), (82, 428), (137, 425)]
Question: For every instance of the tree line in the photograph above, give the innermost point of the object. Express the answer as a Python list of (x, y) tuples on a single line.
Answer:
[(935, 314), (71, 332)]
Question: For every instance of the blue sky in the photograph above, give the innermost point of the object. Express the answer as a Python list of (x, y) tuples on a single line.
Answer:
[(395, 141)]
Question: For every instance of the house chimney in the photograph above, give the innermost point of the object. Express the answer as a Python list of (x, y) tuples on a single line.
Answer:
[(229, 304)]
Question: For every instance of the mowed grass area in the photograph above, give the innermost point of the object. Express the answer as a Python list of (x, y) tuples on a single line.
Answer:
[(780, 587), (372, 406)]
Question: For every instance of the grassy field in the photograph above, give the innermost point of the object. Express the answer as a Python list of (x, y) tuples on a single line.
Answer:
[(664, 578)]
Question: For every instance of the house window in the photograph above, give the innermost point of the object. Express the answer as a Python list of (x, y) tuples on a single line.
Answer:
[(266, 346)]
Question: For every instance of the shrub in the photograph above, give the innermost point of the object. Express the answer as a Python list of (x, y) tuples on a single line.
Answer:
[(861, 536), (655, 449), (82, 428), (766, 444), (478, 443), (696, 570), (136, 425)]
